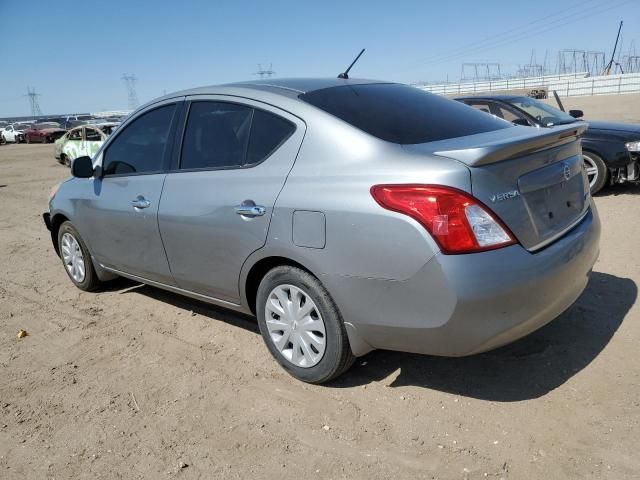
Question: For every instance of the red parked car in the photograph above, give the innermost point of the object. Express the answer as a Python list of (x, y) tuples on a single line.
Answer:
[(45, 132)]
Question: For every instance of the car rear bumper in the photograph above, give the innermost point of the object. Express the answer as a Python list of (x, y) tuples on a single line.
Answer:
[(460, 305)]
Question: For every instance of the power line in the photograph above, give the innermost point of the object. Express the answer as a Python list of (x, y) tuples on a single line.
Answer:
[(539, 30), (492, 38), (530, 32)]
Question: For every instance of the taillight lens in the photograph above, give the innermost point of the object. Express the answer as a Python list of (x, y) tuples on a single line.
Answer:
[(458, 222)]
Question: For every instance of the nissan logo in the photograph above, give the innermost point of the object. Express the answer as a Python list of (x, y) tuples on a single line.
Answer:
[(566, 171)]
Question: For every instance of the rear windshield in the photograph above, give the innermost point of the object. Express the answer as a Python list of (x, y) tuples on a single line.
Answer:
[(402, 114)]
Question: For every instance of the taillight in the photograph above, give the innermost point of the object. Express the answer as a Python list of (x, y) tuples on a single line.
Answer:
[(458, 222)]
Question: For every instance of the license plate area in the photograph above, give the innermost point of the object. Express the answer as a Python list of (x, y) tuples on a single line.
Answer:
[(554, 195)]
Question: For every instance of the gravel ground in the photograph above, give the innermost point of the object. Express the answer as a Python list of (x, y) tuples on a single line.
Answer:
[(134, 382)]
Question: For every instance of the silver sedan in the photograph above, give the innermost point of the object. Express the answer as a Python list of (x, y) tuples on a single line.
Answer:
[(347, 215)]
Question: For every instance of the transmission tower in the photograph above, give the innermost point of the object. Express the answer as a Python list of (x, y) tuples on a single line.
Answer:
[(631, 63), (130, 82), (262, 73), (572, 61), (33, 101), (473, 72), (595, 62), (532, 69)]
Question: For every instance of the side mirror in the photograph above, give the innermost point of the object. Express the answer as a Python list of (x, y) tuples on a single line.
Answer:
[(82, 167), (576, 113), (521, 121)]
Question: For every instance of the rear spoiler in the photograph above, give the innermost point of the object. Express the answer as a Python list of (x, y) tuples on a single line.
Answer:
[(523, 141)]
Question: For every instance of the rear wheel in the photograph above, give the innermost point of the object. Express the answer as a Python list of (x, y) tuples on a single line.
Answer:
[(65, 160), (597, 171), (76, 258), (301, 325)]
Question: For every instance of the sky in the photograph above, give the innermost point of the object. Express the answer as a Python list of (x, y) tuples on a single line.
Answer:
[(75, 53)]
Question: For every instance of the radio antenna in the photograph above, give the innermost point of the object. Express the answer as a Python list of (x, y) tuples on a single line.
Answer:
[(345, 74)]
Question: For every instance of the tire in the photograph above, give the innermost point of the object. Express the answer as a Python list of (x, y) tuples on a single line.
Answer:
[(87, 282), (328, 353), (597, 171), (45, 139), (64, 160)]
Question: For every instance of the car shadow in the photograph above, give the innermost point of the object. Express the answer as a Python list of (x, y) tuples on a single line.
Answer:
[(526, 369), (126, 286), (631, 188)]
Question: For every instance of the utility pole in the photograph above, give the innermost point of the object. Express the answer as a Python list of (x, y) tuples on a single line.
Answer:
[(130, 82), (610, 64), (33, 101)]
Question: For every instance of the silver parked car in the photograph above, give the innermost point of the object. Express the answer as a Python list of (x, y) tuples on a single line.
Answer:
[(347, 215)]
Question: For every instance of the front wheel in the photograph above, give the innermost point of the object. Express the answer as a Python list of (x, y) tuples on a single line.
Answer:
[(301, 325), (597, 171), (76, 258)]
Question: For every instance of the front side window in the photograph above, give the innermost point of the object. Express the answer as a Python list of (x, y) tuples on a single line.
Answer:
[(506, 113), (140, 147), (400, 113), (75, 135), (482, 106), (545, 114)]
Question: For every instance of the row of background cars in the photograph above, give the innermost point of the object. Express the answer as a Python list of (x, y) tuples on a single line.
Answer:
[(611, 150), (74, 136)]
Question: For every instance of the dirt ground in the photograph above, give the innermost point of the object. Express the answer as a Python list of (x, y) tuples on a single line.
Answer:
[(135, 382)]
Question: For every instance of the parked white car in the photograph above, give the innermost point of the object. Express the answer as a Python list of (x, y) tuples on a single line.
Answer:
[(14, 133), (81, 141)]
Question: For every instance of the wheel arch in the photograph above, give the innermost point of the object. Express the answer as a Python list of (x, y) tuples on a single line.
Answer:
[(57, 220), (256, 267), (258, 270)]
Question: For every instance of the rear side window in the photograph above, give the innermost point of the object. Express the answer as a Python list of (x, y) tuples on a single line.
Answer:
[(402, 114), (268, 131), (228, 135), (92, 135), (140, 147)]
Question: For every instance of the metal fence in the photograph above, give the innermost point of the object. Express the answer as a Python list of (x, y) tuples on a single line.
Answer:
[(571, 85)]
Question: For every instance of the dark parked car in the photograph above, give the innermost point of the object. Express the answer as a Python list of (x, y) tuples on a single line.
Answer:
[(611, 151), (45, 132)]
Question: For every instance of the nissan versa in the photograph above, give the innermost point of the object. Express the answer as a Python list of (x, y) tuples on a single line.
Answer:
[(347, 215)]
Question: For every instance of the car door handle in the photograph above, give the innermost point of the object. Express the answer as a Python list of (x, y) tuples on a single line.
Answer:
[(140, 202), (250, 210)]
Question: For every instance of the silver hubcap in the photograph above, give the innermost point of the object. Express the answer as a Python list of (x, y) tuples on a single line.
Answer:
[(591, 168), (295, 326), (72, 257)]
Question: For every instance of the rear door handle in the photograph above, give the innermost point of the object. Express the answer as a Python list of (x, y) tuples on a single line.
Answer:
[(250, 210), (140, 202)]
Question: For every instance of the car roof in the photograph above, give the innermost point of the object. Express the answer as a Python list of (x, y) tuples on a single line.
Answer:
[(287, 87), (491, 97)]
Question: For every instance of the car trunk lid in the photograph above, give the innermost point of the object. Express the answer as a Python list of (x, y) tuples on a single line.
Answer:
[(533, 180)]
